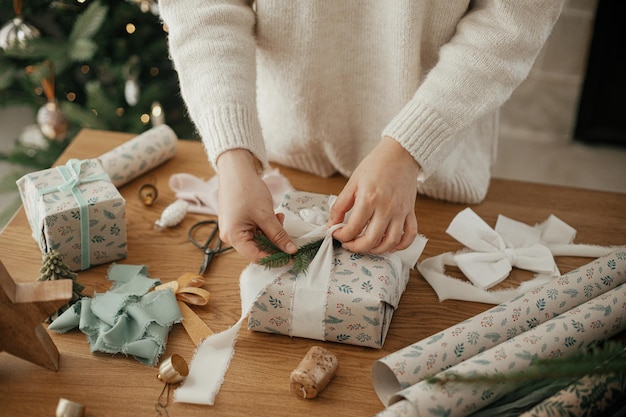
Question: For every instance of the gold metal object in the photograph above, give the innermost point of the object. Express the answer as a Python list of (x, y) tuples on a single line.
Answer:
[(173, 369), (148, 194)]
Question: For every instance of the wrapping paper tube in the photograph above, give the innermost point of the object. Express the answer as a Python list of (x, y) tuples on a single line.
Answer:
[(579, 328), (139, 155), (462, 341), (573, 401)]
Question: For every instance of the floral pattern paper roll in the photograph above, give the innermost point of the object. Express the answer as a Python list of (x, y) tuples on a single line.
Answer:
[(579, 328), (589, 396), (464, 340), (139, 155)]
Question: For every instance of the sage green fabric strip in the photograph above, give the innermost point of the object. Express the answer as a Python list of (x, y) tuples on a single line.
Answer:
[(128, 319)]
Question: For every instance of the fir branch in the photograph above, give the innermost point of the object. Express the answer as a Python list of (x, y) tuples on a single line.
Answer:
[(89, 22), (610, 358), (300, 260), (265, 244)]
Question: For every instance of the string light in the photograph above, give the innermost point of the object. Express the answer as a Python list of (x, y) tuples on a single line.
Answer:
[(119, 111), (84, 69), (145, 118), (70, 96), (158, 118), (130, 28), (154, 71)]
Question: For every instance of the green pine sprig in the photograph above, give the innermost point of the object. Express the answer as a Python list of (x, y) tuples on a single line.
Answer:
[(300, 260)]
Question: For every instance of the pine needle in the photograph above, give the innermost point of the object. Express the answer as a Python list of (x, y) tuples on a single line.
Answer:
[(300, 260)]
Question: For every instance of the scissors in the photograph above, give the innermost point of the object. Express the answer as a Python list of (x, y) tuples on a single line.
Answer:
[(209, 252)]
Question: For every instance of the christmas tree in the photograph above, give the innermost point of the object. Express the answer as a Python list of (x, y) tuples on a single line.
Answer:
[(85, 64)]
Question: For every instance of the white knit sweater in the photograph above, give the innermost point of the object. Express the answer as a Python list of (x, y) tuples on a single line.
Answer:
[(315, 84)]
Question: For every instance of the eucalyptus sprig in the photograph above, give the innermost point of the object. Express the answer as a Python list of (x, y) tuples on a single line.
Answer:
[(599, 360), (300, 260)]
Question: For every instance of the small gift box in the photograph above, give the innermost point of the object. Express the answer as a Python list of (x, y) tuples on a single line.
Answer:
[(76, 210), (344, 297)]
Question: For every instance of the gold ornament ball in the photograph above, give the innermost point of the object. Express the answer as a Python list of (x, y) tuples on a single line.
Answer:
[(52, 122)]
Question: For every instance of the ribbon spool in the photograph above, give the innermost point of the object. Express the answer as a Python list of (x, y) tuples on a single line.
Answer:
[(173, 370), (67, 408)]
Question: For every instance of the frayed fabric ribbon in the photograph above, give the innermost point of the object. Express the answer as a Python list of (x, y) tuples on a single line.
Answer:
[(491, 254), (128, 319), (187, 290), (213, 356)]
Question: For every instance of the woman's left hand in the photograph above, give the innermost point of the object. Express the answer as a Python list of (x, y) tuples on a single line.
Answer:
[(381, 193)]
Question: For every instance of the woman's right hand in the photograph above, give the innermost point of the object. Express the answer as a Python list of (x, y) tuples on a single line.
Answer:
[(245, 206)]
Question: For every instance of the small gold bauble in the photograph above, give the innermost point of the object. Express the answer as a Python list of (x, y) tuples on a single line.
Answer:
[(52, 121)]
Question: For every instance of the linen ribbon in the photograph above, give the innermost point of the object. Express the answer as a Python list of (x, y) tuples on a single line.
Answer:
[(71, 172), (187, 291), (213, 356), (128, 318), (491, 254)]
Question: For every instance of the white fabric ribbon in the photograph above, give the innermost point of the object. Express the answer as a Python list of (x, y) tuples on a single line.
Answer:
[(213, 356), (491, 254)]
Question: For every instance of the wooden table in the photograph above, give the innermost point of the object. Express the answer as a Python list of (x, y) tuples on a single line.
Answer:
[(257, 383)]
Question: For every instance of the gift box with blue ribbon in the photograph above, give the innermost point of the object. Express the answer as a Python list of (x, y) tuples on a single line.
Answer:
[(75, 209)]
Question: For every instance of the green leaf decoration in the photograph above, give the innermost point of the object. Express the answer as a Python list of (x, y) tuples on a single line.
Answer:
[(300, 260), (372, 321), (333, 320), (346, 289)]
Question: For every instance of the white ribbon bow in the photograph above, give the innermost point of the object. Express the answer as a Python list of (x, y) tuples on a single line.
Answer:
[(492, 254)]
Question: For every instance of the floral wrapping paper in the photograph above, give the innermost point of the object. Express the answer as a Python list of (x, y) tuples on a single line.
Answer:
[(139, 155), (536, 322), (462, 341), (579, 328), (588, 397), (54, 202), (363, 291)]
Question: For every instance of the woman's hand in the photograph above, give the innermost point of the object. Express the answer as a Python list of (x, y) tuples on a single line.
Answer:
[(381, 193), (245, 206)]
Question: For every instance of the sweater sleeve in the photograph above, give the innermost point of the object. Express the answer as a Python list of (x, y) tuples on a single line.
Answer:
[(490, 54), (212, 47)]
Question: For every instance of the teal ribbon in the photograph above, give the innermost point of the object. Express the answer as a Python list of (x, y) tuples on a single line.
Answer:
[(71, 174)]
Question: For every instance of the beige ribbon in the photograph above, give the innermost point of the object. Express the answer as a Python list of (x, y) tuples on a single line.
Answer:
[(187, 290)]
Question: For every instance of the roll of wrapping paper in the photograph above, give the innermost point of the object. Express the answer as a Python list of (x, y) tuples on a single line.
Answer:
[(462, 341), (139, 155), (579, 328), (574, 400)]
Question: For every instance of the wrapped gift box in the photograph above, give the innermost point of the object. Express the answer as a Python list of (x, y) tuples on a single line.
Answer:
[(76, 210), (362, 293)]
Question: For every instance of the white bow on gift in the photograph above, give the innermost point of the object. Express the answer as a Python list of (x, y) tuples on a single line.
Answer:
[(492, 254)]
